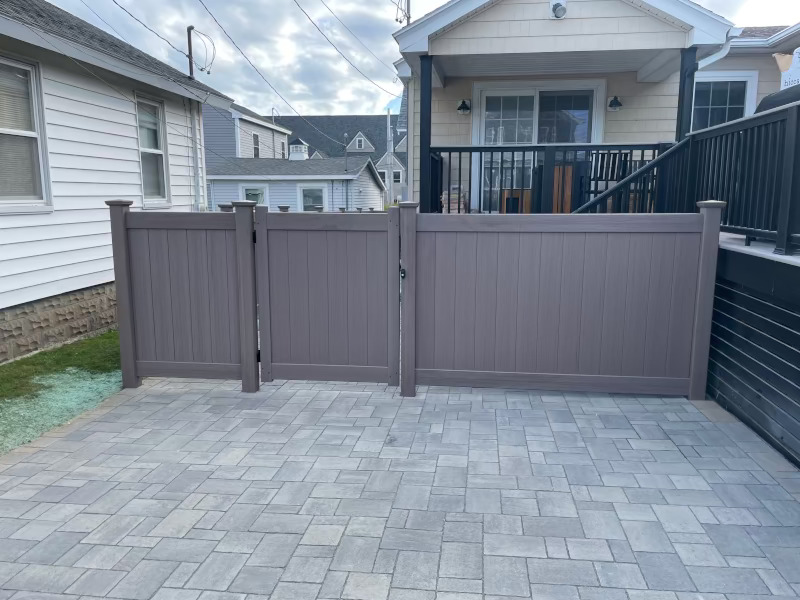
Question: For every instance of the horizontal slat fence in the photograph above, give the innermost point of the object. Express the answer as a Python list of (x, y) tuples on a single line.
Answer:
[(606, 303), (328, 296)]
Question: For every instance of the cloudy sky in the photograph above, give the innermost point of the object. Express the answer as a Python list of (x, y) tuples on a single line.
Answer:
[(295, 57)]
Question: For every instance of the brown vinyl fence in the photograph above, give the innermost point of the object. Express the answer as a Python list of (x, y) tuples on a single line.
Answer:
[(606, 303)]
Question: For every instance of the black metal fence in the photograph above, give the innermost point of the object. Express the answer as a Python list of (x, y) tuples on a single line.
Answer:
[(531, 179)]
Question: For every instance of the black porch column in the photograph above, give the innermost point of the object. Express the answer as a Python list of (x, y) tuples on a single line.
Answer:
[(426, 77), (686, 92)]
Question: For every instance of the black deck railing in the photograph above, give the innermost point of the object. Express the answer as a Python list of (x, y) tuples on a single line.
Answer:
[(531, 179)]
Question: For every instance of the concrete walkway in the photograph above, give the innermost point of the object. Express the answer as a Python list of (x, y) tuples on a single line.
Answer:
[(186, 490)]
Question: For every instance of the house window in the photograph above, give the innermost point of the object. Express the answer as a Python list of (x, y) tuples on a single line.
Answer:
[(359, 143), (509, 120), (383, 176), (150, 117), (22, 179), (565, 117), (257, 194), (256, 148), (312, 198), (283, 149), (397, 177), (718, 100)]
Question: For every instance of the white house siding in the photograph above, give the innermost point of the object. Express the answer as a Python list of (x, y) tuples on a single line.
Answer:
[(515, 26), (269, 140), (769, 76), (91, 138)]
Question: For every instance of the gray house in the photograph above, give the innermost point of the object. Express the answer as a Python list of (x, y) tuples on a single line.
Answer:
[(242, 133)]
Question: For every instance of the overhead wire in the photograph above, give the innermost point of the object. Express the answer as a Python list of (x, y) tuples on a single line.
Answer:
[(104, 21)]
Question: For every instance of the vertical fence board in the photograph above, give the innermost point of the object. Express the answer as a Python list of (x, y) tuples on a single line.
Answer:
[(658, 305), (220, 329), (162, 295), (681, 314), (570, 317), (426, 300), (530, 251), (464, 315), (318, 297), (485, 301), (200, 314), (357, 297), (377, 285), (592, 302), (550, 274), (280, 305), (338, 339), (616, 272), (444, 294), (142, 294), (506, 305), (297, 261), (179, 292), (233, 299), (639, 270)]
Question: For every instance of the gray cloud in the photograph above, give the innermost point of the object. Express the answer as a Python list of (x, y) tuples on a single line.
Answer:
[(291, 54)]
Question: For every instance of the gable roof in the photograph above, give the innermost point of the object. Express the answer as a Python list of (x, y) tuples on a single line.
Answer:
[(252, 116), (761, 33), (773, 39), (707, 27), (372, 127), (57, 30)]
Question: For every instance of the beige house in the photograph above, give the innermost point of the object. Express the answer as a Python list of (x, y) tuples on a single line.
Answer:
[(524, 74)]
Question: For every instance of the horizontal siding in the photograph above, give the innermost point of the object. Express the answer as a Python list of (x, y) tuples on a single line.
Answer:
[(219, 134), (754, 363), (93, 156), (514, 26), (269, 140)]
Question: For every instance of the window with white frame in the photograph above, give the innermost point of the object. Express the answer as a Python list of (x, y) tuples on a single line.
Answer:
[(722, 96), (397, 177), (254, 193), (256, 147), (283, 149), (359, 143), (311, 197), (150, 117), (383, 176), (22, 177)]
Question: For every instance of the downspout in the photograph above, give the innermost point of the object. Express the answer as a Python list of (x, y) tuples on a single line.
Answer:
[(198, 202), (733, 32)]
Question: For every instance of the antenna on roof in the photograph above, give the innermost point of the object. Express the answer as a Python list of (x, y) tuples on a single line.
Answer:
[(190, 55)]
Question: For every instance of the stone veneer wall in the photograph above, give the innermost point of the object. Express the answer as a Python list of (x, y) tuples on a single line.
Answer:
[(35, 325)]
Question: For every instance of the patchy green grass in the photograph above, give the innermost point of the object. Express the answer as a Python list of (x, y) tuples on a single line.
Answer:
[(48, 389)]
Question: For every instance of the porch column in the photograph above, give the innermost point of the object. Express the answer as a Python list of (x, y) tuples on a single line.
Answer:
[(426, 83), (686, 92)]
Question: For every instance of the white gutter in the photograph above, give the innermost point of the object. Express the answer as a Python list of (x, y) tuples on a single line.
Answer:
[(770, 41), (734, 32)]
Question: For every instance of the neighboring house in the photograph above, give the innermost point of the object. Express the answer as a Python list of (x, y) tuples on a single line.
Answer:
[(366, 136), (511, 72), (298, 184), (84, 118), (241, 133)]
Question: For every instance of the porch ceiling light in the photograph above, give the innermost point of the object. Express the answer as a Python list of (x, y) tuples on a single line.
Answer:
[(464, 108), (559, 9)]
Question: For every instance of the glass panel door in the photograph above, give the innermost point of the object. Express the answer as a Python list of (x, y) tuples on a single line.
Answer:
[(565, 117)]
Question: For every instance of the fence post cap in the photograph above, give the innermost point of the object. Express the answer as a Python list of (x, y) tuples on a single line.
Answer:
[(245, 203), (408, 204), (711, 204), (119, 202)]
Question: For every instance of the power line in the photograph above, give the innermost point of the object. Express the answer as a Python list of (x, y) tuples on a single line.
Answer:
[(350, 62), (150, 29), (394, 72), (104, 21), (272, 87)]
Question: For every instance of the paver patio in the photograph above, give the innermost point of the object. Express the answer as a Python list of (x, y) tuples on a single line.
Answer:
[(187, 490)]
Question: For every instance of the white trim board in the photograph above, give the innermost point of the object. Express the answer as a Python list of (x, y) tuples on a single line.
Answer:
[(749, 77), (313, 186), (250, 186)]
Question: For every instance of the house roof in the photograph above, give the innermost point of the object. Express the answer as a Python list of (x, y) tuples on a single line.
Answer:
[(373, 127), (761, 33), (298, 142), (280, 168), (62, 32), (771, 39), (253, 116)]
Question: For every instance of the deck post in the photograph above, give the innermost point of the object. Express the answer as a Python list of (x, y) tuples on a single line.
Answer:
[(686, 92), (426, 95), (122, 277), (704, 302), (393, 237), (246, 279), (790, 184), (408, 273)]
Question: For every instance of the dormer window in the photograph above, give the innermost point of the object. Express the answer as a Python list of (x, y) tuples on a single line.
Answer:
[(359, 143)]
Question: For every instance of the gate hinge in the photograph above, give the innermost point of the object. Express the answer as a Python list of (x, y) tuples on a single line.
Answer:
[(258, 355), (254, 236)]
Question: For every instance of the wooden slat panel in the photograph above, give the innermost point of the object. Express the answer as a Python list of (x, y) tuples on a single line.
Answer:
[(570, 316), (616, 273), (550, 275), (444, 301), (682, 303), (464, 302), (200, 313), (142, 295), (426, 286), (162, 295), (181, 298), (528, 289), (297, 260), (338, 342), (219, 298), (376, 295), (595, 223), (233, 296), (639, 271), (318, 297), (357, 297), (485, 302), (280, 306), (592, 303), (506, 324), (658, 305)]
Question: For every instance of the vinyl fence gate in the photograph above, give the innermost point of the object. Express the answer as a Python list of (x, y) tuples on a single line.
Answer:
[(597, 303)]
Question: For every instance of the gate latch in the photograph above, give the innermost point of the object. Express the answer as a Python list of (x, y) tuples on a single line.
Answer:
[(402, 273)]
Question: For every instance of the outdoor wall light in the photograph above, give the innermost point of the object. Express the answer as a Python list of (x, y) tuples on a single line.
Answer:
[(464, 107), (558, 9), (614, 104)]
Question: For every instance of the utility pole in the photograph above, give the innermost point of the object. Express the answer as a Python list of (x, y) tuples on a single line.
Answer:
[(390, 157), (408, 12), (189, 30)]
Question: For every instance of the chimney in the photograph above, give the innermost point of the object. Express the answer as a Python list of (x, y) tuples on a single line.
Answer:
[(298, 150)]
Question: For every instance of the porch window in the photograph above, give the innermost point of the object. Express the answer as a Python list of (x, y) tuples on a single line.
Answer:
[(565, 117), (717, 102), (509, 120)]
